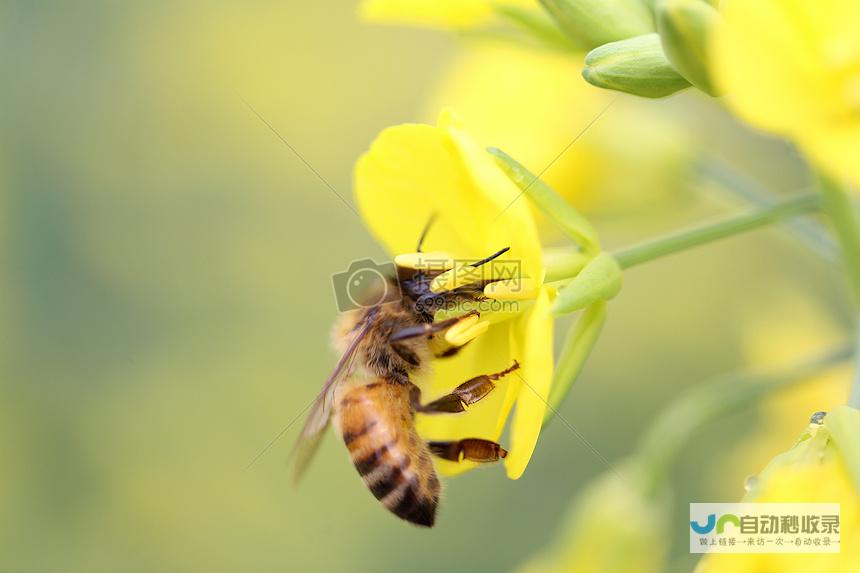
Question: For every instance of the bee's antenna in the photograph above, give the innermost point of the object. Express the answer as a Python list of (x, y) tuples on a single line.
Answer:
[(491, 257), (427, 226)]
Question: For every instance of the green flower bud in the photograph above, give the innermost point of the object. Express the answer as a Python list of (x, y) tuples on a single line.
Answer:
[(652, 4), (685, 28), (595, 22), (599, 280), (636, 66)]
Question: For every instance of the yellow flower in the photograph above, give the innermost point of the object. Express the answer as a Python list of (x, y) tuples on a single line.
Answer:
[(434, 13), (793, 68), (414, 171), (823, 467), (615, 526), (768, 339)]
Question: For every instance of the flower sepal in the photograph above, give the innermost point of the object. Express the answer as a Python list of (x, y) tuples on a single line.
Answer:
[(577, 347), (595, 22), (685, 28), (600, 280), (569, 220)]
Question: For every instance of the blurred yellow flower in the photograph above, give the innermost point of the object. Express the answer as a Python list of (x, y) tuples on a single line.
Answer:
[(414, 171), (434, 13), (793, 68), (768, 338), (532, 103), (615, 526), (824, 466)]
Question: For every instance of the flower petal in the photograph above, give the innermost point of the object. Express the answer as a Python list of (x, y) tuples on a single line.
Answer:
[(533, 341), (837, 150), (409, 174), (794, 68), (414, 171), (762, 65), (507, 220)]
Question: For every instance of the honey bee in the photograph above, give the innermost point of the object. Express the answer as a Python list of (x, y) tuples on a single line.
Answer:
[(372, 400)]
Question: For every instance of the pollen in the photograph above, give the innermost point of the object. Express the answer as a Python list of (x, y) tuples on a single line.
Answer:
[(467, 329)]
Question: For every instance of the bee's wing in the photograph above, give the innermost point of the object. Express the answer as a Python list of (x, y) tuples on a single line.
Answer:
[(320, 412)]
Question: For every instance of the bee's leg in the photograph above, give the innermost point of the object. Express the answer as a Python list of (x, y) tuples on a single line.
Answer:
[(471, 449), (463, 395), (428, 329)]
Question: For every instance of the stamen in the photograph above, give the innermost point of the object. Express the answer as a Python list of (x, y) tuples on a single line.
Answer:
[(466, 330), (463, 324), (467, 274), (456, 277), (512, 289)]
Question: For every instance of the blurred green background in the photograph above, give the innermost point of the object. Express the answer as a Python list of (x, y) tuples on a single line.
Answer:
[(166, 298)]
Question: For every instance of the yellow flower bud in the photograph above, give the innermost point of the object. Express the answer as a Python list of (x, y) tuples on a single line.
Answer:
[(636, 66)]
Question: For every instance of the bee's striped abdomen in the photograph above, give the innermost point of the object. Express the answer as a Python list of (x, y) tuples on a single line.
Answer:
[(375, 421)]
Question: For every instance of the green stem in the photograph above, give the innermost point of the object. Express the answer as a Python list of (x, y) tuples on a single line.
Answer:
[(735, 185), (708, 233), (843, 216), (706, 403), (840, 210)]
